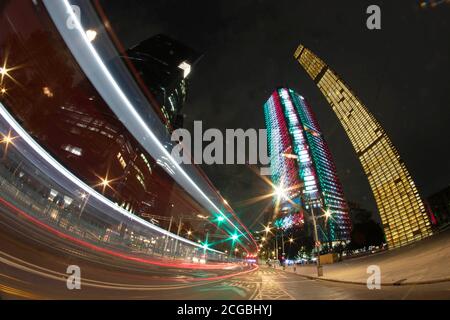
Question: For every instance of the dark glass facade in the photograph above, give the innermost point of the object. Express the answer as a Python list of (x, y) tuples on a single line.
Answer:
[(164, 65)]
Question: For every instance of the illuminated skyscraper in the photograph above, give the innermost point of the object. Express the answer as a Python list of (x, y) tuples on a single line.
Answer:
[(302, 167), (401, 209)]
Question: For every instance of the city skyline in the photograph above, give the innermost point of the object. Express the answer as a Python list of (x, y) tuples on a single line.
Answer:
[(232, 49), (269, 171)]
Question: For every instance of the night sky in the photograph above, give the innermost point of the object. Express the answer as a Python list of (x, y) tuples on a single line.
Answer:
[(401, 73)]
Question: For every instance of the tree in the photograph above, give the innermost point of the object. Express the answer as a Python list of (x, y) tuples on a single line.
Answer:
[(366, 234)]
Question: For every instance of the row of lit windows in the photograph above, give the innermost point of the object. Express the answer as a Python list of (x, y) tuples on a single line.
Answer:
[(395, 193), (283, 169), (361, 123), (300, 119), (312, 64)]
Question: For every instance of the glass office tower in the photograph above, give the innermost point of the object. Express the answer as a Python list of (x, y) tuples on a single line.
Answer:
[(302, 168), (401, 209)]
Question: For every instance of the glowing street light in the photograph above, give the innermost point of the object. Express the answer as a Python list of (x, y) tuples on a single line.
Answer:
[(220, 218), (280, 192), (328, 213), (7, 139), (105, 183), (234, 237), (4, 72), (189, 232), (291, 240), (3, 90)]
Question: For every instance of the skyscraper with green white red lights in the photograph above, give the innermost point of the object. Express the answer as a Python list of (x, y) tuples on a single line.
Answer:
[(302, 169)]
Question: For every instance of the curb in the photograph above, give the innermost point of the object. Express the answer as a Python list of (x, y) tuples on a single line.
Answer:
[(387, 284)]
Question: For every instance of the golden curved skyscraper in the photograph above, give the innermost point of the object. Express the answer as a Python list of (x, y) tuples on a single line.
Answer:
[(402, 211)]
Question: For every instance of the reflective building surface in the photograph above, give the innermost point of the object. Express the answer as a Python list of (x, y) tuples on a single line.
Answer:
[(164, 65), (45, 88)]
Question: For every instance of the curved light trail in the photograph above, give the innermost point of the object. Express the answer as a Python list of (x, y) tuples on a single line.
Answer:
[(181, 265), (55, 164), (47, 273), (95, 69)]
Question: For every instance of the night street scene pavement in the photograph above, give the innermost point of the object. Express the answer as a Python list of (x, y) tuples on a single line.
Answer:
[(224, 150)]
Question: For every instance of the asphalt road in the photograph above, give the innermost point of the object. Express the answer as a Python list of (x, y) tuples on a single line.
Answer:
[(33, 265)]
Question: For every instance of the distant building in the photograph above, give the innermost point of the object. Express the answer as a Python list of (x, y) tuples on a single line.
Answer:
[(302, 168), (164, 64), (439, 204)]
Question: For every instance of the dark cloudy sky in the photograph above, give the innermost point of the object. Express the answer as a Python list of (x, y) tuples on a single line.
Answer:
[(400, 72)]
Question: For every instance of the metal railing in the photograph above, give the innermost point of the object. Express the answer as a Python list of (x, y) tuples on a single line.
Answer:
[(35, 188)]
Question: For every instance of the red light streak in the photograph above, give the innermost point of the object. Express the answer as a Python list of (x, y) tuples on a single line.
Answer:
[(181, 265)]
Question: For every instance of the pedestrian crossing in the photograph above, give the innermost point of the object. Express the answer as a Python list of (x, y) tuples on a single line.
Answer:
[(262, 285)]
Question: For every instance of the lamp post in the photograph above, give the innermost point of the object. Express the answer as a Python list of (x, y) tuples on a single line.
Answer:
[(283, 254), (327, 229), (317, 245), (276, 246)]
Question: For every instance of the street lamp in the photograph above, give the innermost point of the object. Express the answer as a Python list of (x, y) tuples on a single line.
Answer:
[(280, 192), (327, 215), (317, 244)]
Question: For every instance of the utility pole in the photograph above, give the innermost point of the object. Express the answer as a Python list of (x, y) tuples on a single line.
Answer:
[(178, 234), (167, 237), (276, 245), (317, 245)]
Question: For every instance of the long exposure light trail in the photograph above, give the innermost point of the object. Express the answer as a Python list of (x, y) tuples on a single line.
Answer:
[(55, 164), (181, 265), (47, 273), (92, 57)]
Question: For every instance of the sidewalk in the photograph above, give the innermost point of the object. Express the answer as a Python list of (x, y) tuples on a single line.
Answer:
[(425, 262)]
